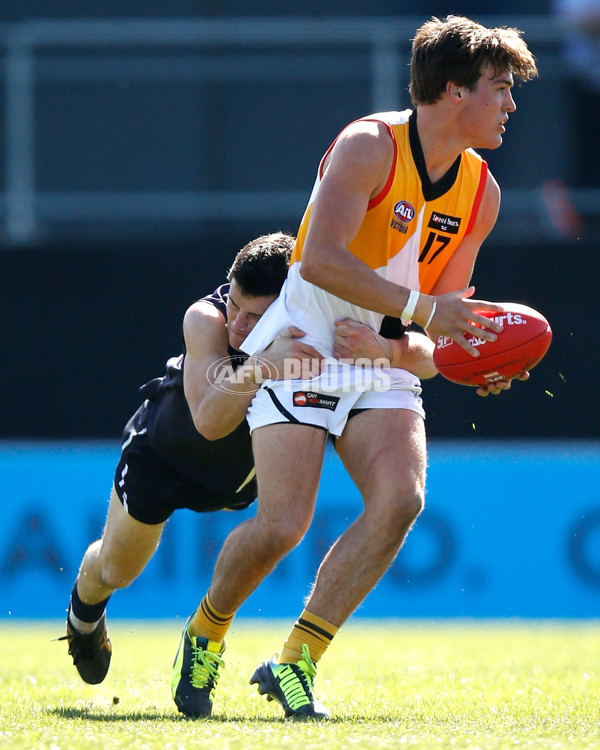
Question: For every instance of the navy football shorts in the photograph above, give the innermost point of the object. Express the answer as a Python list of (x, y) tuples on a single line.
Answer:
[(150, 489)]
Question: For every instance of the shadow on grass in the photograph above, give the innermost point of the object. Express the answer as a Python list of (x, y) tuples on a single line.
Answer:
[(112, 715)]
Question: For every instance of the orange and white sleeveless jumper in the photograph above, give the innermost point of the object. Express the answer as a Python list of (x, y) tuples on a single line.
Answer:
[(409, 233)]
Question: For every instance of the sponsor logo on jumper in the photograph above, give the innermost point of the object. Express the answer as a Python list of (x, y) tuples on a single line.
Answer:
[(315, 400), (404, 213), (444, 223)]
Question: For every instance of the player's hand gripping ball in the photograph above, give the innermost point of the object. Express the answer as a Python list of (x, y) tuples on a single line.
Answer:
[(521, 345)]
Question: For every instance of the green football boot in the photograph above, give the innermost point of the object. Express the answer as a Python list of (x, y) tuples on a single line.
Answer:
[(196, 673), (291, 685)]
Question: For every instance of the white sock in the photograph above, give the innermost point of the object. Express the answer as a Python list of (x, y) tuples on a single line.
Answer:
[(82, 627)]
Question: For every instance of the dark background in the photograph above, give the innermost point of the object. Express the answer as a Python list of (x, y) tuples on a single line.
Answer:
[(234, 8), (92, 306), (83, 330)]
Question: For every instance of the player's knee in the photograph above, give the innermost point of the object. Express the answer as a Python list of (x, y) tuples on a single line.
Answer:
[(288, 538), (402, 508), (282, 537), (114, 577), (413, 503)]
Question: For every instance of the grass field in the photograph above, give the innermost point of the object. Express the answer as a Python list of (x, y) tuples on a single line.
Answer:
[(475, 684)]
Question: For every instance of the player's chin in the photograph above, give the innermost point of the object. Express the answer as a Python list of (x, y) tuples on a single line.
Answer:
[(492, 143), (235, 340)]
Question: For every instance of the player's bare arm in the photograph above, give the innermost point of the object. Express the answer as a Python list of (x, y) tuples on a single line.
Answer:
[(215, 411), (357, 169)]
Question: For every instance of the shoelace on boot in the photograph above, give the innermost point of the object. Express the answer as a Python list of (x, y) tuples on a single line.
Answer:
[(205, 667)]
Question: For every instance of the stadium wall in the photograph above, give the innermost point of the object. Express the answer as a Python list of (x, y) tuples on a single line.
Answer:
[(511, 529)]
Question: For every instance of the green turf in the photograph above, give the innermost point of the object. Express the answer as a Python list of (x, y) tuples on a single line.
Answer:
[(474, 684)]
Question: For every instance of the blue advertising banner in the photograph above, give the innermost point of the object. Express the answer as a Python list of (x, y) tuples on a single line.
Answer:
[(511, 529)]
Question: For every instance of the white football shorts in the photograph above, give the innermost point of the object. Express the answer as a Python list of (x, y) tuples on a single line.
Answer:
[(326, 401)]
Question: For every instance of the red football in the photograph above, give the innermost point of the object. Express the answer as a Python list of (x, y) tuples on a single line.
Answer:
[(523, 342)]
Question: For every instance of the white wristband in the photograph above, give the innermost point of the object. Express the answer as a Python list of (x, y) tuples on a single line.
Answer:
[(409, 309), (430, 318)]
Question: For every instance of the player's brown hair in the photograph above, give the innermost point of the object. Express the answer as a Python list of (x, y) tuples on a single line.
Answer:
[(457, 49), (261, 266)]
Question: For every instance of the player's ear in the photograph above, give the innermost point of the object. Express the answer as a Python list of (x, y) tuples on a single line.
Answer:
[(454, 91)]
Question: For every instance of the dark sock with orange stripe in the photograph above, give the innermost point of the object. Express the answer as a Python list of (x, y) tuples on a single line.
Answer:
[(312, 630), (209, 623)]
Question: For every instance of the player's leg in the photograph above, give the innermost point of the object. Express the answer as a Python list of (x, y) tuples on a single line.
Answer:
[(288, 462), (384, 451), (288, 474), (109, 563), (117, 559)]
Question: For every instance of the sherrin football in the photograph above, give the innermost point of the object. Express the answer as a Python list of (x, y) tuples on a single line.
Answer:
[(519, 347)]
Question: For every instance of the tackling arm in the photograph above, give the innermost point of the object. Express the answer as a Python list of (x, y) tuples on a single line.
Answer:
[(216, 411), (413, 351), (217, 396)]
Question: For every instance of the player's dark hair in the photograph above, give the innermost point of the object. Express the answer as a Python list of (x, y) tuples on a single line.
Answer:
[(457, 49), (261, 266)]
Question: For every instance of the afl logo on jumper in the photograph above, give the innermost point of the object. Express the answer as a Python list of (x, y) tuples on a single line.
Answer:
[(404, 213)]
